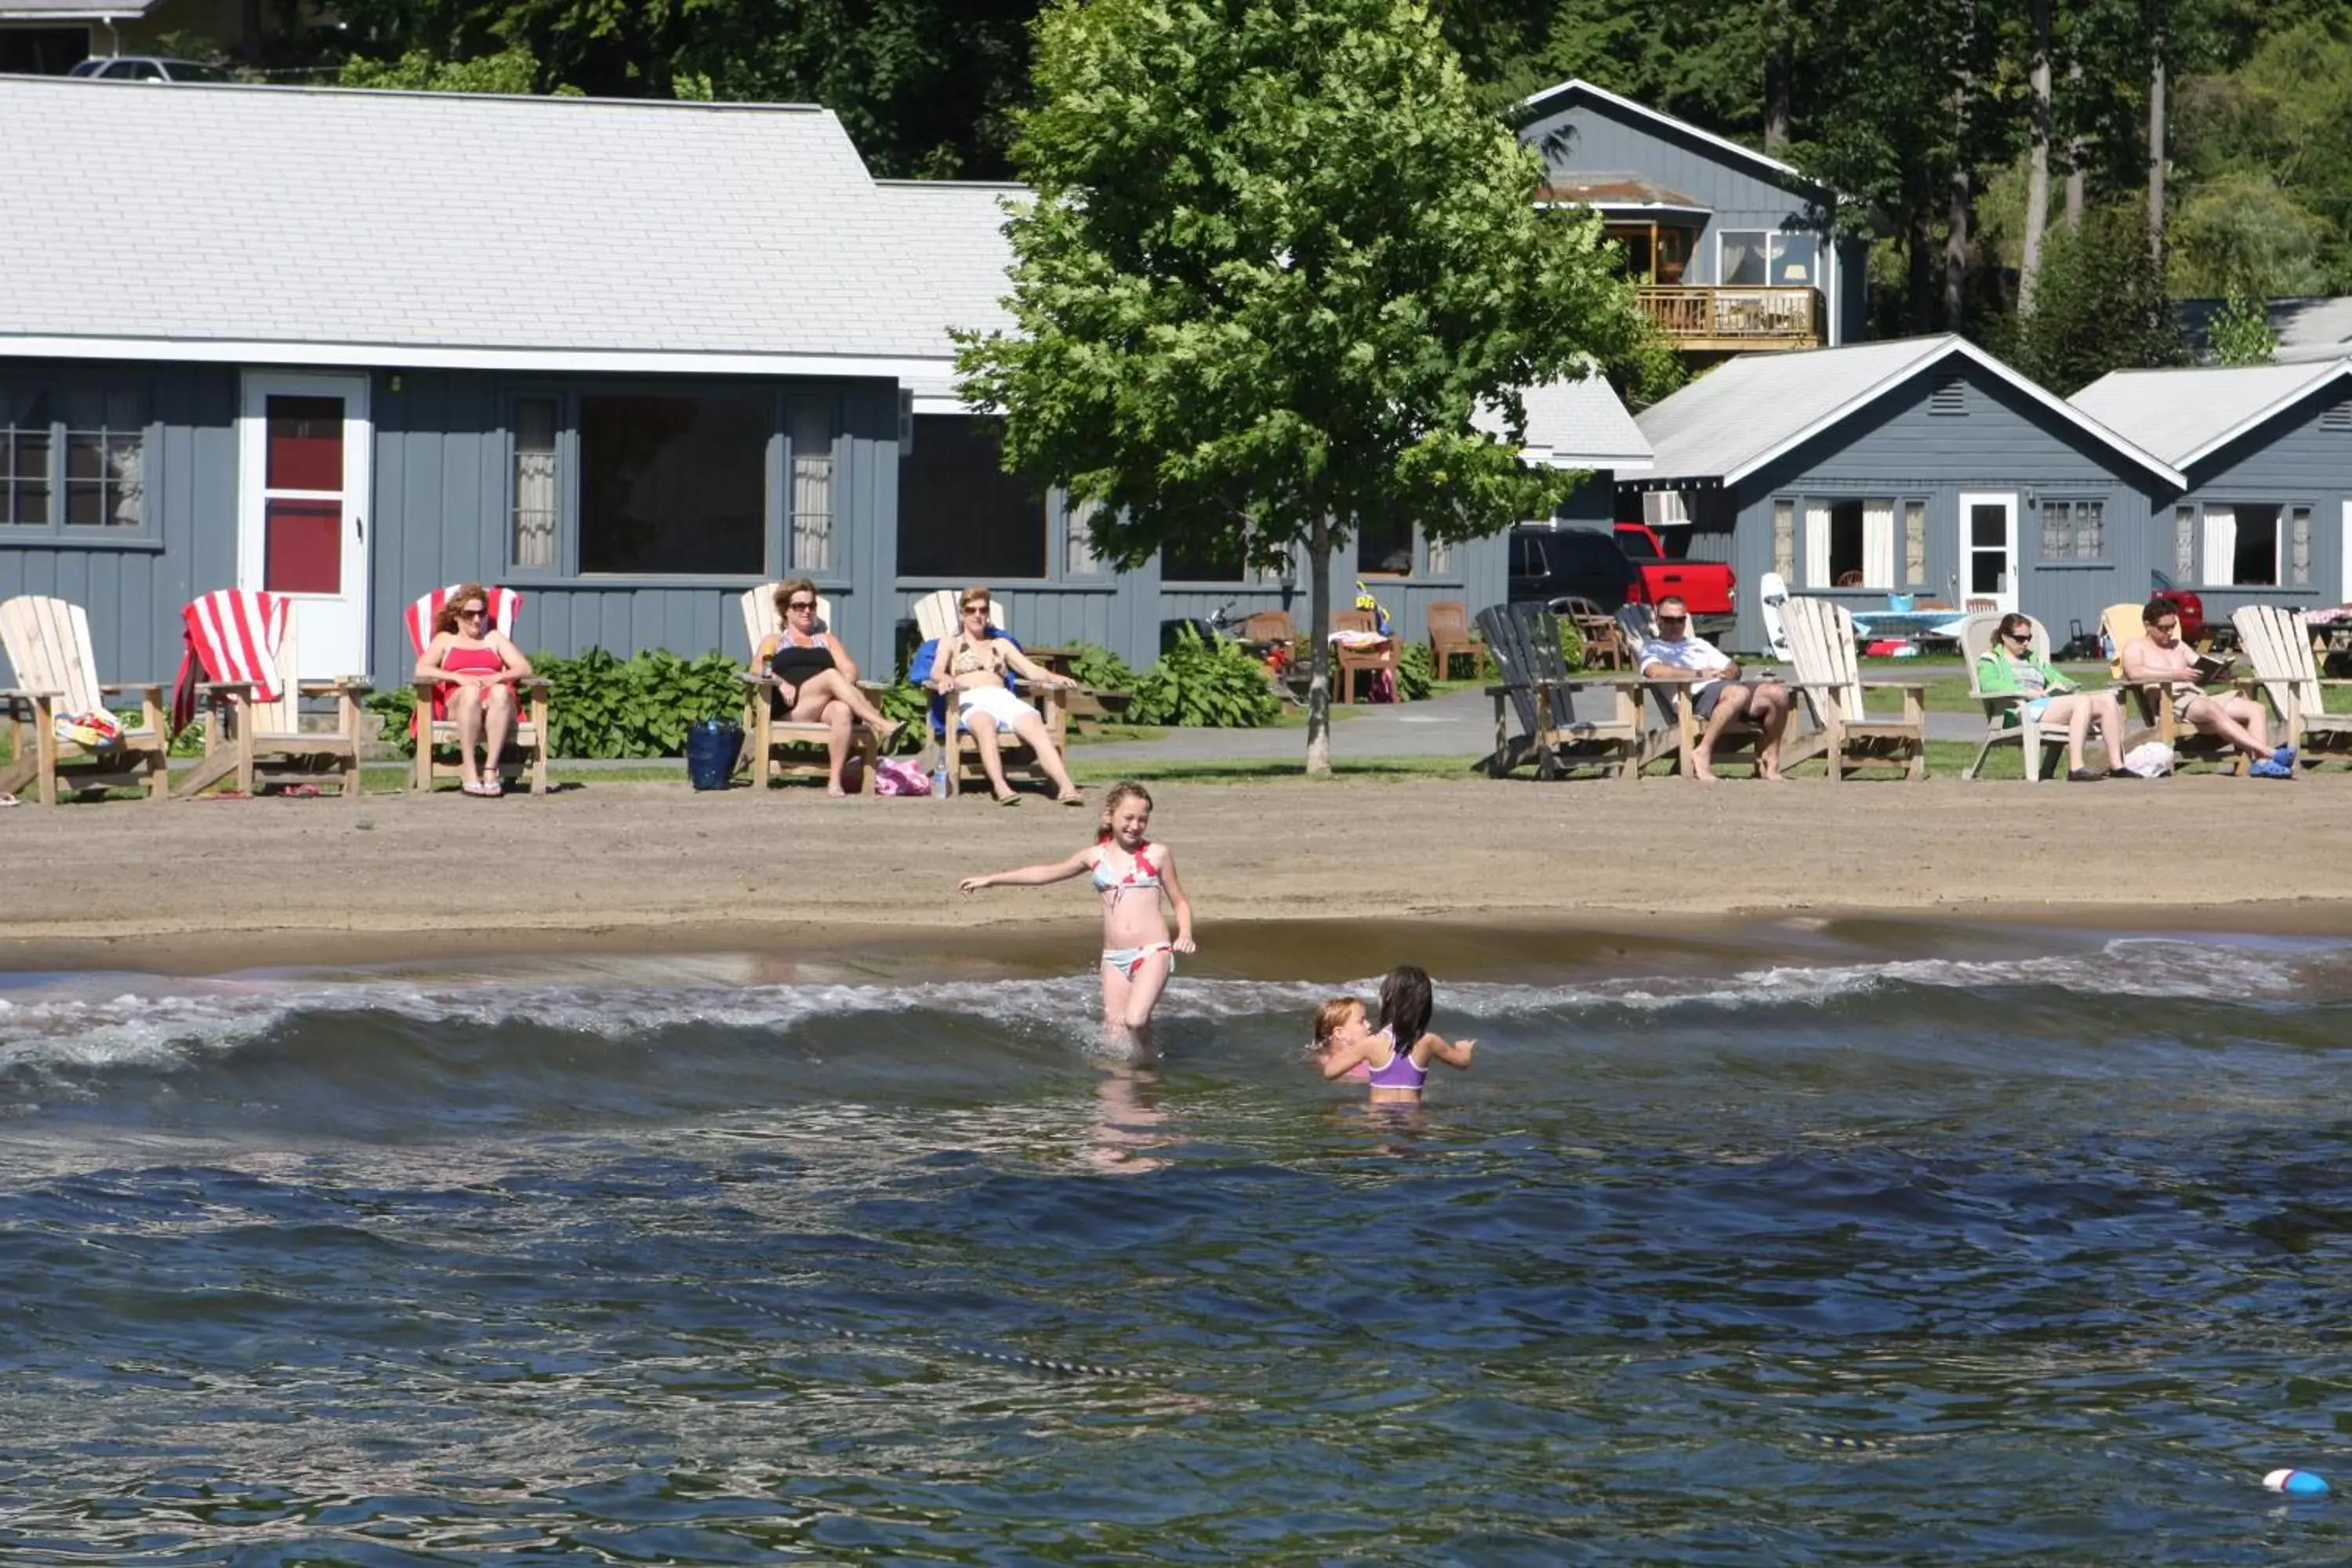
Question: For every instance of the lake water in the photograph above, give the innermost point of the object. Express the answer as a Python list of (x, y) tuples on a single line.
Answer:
[(1856, 1243)]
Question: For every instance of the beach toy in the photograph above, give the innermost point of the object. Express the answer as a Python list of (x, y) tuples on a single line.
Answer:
[(2296, 1483)]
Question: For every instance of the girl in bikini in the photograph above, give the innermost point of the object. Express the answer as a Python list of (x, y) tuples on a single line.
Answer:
[(1346, 1044), (475, 669), (1131, 873), (817, 680)]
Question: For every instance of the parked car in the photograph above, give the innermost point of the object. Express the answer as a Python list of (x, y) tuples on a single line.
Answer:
[(148, 68), (1550, 565), (1707, 586)]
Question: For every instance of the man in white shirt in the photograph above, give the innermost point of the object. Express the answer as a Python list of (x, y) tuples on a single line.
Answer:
[(1718, 695)]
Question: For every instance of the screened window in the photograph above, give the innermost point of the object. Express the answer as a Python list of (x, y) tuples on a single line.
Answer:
[(960, 514), (1914, 543), (1078, 557), (2074, 531), (74, 460), (1384, 545), (673, 485), (810, 426), (1197, 563), (535, 500), (1784, 540)]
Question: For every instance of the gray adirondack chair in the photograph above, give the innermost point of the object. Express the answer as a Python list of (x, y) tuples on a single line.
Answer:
[(1524, 642)]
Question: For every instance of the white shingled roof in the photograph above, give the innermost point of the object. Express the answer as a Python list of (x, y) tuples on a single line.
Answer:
[(953, 233), (2184, 414), (1749, 411), (334, 226), (74, 10), (1574, 424)]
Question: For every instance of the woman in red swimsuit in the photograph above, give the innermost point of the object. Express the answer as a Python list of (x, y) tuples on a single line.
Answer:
[(475, 669)]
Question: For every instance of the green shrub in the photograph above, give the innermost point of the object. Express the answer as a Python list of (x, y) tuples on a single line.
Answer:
[(395, 706), (910, 705), (1093, 666), (1571, 643), (1217, 684), (1416, 671)]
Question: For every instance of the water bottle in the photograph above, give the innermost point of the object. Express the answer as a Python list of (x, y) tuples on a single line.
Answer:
[(940, 781)]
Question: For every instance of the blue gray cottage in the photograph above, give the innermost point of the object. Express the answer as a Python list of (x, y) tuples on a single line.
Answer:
[(2267, 514), (1920, 466), (1732, 251), (630, 358)]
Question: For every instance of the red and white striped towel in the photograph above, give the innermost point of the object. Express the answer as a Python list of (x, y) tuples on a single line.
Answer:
[(232, 634)]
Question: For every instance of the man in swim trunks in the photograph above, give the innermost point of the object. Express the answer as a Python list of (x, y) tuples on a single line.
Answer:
[(2162, 660), (1718, 694)]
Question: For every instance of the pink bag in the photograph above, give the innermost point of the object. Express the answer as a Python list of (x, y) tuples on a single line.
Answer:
[(901, 775)]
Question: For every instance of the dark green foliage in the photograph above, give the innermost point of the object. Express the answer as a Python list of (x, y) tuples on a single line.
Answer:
[(910, 705), (1416, 671), (1099, 670), (1218, 684), (599, 706), (396, 706), (1571, 643), (2101, 306), (2241, 333)]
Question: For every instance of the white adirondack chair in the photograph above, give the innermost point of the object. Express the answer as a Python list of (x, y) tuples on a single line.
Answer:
[(48, 644), (528, 742), (2279, 643), (1829, 681), (938, 615), (779, 745), (1676, 734), (2119, 627), (2004, 712), (253, 719)]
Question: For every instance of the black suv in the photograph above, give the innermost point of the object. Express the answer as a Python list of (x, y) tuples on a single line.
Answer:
[(1550, 564)]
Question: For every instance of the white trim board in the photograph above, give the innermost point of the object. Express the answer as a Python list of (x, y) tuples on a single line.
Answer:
[(906, 371)]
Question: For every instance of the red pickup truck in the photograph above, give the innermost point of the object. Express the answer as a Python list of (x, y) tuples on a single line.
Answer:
[(1705, 586)]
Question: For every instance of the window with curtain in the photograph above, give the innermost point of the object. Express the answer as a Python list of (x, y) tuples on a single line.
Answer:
[(2184, 544), (535, 480), (1385, 544), (809, 428), (2241, 546), (1858, 549), (74, 460), (1078, 557), (2298, 547), (1784, 540), (674, 485), (1915, 544), (26, 431), (960, 515), (2073, 529)]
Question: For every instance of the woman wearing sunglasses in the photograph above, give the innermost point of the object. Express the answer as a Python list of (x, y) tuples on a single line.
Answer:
[(972, 664), (817, 680), (475, 669), (2010, 665)]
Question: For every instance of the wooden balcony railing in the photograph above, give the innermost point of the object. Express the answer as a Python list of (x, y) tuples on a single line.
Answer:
[(1738, 317)]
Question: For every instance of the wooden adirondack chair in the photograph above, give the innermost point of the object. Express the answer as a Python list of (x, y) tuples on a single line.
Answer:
[(48, 647), (2004, 712), (528, 740), (1450, 637), (1829, 681), (1676, 736), (780, 745), (247, 642), (1349, 660), (2279, 643), (935, 616), (1604, 639), (2119, 625), (1524, 642)]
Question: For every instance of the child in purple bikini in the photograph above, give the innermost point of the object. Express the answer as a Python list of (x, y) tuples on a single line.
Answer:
[(1346, 1045)]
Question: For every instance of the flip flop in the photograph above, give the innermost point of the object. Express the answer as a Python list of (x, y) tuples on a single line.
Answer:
[(1008, 800), (8, 800), (471, 787), (1073, 798)]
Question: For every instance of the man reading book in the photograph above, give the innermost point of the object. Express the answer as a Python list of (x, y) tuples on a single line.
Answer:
[(2161, 656)]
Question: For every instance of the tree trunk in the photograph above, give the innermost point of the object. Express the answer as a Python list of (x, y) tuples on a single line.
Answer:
[(250, 44), (2037, 175), (1319, 650), (1780, 74), (1957, 206), (2156, 137), (2077, 150), (1921, 256)]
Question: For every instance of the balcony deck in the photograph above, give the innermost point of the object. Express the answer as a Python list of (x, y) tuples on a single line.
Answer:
[(1732, 319)]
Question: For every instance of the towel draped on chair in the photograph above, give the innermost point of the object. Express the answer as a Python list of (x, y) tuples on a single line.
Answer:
[(231, 634)]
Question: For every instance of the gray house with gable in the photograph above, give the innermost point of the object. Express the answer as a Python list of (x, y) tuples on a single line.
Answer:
[(2266, 517), (629, 358), (1733, 250), (1920, 466)]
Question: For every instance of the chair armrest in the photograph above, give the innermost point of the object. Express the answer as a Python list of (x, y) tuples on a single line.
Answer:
[(874, 687), (152, 689), (223, 688), (758, 682), (1918, 686), (356, 685), (534, 683)]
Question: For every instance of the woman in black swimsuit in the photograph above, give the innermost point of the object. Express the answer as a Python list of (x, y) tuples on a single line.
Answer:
[(817, 680)]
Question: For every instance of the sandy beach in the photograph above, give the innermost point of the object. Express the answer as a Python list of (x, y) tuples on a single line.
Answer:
[(646, 867)]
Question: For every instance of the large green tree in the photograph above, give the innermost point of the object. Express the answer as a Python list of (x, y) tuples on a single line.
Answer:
[(1276, 259)]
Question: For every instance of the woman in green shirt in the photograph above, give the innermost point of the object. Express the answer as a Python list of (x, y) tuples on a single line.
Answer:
[(2053, 700)]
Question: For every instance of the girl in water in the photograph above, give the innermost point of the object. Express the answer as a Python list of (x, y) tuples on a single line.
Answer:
[(1346, 1044), (1131, 873)]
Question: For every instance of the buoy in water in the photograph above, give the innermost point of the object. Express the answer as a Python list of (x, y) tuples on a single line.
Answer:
[(2296, 1483)]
